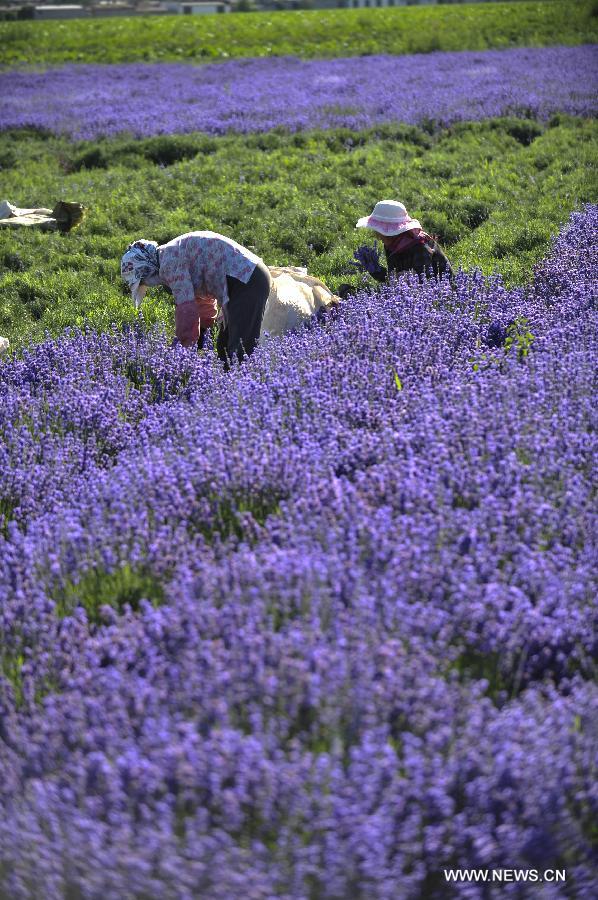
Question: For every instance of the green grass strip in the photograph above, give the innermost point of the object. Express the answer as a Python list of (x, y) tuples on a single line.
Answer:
[(494, 191), (317, 33)]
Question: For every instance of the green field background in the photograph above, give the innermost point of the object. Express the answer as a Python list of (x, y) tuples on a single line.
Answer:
[(316, 33)]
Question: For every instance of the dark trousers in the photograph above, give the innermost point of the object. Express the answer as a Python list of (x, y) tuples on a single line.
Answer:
[(244, 313)]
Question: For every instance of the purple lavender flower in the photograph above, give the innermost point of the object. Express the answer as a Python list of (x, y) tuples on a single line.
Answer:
[(367, 258), (87, 101), (496, 333), (287, 631)]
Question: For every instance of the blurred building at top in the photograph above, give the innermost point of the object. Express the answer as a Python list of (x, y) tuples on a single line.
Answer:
[(18, 9), (197, 7)]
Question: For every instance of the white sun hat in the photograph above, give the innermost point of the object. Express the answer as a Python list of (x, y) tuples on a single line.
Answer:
[(390, 218)]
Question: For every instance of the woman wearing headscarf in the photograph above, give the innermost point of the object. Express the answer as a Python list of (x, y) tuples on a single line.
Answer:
[(203, 271), (407, 247)]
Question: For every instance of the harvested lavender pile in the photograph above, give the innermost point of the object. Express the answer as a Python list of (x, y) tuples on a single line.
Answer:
[(318, 627)]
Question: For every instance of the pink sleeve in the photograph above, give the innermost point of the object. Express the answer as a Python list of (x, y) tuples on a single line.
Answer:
[(208, 307), (186, 318)]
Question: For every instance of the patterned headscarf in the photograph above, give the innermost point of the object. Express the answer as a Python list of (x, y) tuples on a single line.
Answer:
[(138, 262)]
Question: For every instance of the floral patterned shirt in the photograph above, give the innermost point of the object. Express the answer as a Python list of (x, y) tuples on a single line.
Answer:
[(197, 264)]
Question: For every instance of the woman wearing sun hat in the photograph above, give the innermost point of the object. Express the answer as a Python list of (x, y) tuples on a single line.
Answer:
[(407, 246), (203, 271)]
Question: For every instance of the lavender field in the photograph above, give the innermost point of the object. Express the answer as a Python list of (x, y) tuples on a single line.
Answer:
[(315, 628), (88, 101), (323, 626)]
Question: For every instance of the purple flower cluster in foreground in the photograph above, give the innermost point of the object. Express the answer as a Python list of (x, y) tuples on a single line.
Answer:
[(87, 101), (317, 627)]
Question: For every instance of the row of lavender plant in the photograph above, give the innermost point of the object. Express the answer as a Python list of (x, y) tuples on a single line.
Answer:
[(87, 101), (317, 627)]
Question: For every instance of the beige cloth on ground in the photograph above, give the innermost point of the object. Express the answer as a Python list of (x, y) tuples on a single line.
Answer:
[(63, 217), (294, 298)]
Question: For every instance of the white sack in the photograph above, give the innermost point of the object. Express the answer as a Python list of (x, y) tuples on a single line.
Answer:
[(294, 297)]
